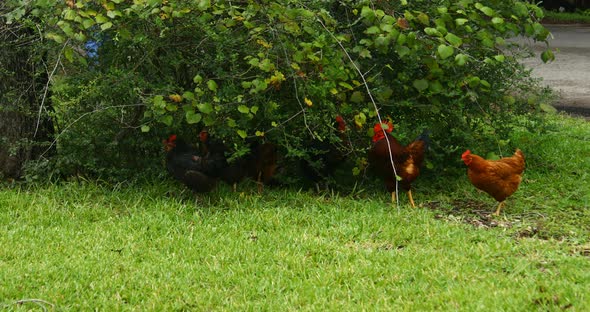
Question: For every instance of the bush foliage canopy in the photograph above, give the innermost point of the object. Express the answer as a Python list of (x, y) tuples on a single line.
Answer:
[(134, 71)]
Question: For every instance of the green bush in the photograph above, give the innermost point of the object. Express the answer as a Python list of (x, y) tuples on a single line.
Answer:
[(283, 70)]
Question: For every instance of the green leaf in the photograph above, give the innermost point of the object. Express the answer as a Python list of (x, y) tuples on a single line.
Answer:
[(192, 117), (254, 109), (520, 9), (204, 5), (461, 21), (242, 134), (171, 107), (205, 108), (500, 58), (547, 108), (461, 59), (55, 37), (167, 120), (497, 20), (485, 84), (109, 6), (159, 101), (69, 14), (188, 96), (197, 79), (367, 12), (106, 25), (423, 18), (432, 32), (101, 19), (345, 85), (145, 128), (435, 86), (402, 50), (473, 81), (487, 11), (386, 27), (420, 84), (87, 23), (243, 109), (212, 85), (445, 51), (69, 54), (453, 39), (266, 65), (547, 56), (372, 30), (357, 97)]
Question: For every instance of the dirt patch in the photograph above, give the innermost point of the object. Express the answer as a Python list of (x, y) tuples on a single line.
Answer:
[(477, 214)]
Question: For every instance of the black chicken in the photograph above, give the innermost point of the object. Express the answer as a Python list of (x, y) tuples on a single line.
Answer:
[(185, 165), (325, 157), (260, 163)]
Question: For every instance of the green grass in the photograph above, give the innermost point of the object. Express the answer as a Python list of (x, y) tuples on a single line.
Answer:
[(554, 17), (86, 246)]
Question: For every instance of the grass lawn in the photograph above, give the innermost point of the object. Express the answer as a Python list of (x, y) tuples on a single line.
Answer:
[(148, 247), (554, 17)]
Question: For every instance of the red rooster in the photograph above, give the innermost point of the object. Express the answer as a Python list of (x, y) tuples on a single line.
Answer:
[(498, 178), (406, 159)]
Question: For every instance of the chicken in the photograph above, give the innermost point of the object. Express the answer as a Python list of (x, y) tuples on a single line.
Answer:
[(184, 164), (260, 163), (325, 157), (499, 178), (407, 159)]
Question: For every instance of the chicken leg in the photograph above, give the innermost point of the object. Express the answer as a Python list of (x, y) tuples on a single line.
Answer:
[(411, 199), (497, 213), (259, 182), (393, 198)]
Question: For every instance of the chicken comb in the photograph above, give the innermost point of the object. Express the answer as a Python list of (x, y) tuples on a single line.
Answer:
[(172, 138), (341, 123), (465, 154), (203, 136), (379, 128)]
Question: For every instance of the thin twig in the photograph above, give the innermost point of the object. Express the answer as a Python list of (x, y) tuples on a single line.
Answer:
[(366, 84), (42, 105), (82, 116), (41, 303)]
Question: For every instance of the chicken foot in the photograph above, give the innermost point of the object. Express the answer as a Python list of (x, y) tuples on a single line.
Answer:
[(497, 213), (411, 199)]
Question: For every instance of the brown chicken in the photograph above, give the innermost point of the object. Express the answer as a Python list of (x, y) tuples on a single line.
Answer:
[(260, 163), (499, 178), (407, 159)]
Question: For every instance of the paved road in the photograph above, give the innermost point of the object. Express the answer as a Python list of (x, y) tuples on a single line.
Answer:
[(569, 74)]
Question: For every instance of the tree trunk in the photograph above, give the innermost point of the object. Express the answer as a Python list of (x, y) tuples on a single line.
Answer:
[(22, 88)]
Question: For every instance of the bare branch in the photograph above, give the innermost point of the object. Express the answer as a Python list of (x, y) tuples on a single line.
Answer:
[(366, 84), (42, 105)]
